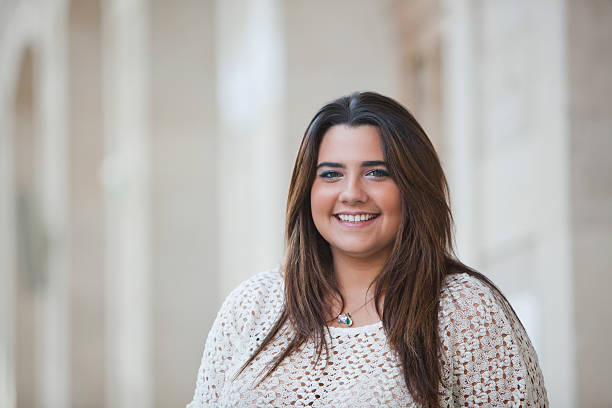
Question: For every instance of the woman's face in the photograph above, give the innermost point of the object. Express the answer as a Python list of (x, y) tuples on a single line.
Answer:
[(355, 204)]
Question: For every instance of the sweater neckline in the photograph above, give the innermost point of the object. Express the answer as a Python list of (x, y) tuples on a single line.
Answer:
[(368, 328), (337, 331)]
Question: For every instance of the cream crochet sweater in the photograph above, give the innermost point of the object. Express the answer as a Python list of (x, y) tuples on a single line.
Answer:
[(486, 358)]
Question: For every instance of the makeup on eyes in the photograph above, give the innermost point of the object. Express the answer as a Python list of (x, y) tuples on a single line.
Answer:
[(379, 173), (329, 174)]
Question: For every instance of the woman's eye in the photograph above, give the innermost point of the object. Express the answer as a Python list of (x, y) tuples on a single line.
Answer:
[(330, 174), (378, 173)]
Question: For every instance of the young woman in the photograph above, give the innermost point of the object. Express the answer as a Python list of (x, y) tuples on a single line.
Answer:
[(370, 307)]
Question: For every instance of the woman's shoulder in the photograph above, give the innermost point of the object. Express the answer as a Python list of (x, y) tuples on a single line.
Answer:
[(258, 298), (471, 306), (262, 284), (481, 334), (467, 299), (462, 290)]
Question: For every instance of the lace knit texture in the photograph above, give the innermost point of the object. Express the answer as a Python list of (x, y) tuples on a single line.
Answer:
[(486, 359)]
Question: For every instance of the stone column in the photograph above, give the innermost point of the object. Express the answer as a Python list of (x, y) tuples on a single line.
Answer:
[(590, 113), (53, 179), (8, 247), (458, 121), (508, 138), (7, 263), (37, 32), (250, 84), (126, 179)]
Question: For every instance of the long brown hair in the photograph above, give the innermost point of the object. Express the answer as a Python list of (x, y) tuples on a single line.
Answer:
[(422, 254)]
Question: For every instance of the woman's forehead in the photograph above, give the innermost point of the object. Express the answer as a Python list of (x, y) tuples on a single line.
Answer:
[(347, 144)]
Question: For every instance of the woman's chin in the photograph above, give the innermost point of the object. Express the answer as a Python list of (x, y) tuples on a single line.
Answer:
[(357, 251)]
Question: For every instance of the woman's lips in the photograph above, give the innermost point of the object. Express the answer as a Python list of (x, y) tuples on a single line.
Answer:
[(356, 219)]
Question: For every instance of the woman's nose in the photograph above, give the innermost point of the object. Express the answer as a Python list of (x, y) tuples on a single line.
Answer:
[(353, 192)]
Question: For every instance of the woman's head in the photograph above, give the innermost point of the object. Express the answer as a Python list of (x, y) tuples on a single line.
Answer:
[(355, 204), (407, 154), (401, 182)]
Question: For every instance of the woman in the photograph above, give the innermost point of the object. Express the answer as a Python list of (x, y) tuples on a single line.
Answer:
[(370, 307)]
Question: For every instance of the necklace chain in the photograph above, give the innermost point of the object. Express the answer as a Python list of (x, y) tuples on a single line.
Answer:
[(362, 306)]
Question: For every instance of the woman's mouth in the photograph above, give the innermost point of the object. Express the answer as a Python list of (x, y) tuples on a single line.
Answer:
[(355, 219)]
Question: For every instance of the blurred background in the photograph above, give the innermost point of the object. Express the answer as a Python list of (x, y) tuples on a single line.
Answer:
[(146, 149)]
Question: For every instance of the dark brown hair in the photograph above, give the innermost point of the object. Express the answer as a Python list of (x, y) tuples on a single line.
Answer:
[(422, 254)]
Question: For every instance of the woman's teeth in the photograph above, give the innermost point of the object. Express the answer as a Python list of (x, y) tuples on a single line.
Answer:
[(356, 218)]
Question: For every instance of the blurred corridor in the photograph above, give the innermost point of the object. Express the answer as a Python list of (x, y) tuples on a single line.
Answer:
[(146, 149)]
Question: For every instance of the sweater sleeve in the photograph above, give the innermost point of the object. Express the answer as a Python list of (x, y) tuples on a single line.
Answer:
[(217, 356), (243, 319), (488, 360)]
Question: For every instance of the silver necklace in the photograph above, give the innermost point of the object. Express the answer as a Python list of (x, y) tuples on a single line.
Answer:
[(345, 318)]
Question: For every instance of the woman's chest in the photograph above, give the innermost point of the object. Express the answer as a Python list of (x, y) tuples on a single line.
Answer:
[(360, 371)]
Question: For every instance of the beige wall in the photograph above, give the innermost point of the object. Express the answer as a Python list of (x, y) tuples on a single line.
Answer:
[(590, 107), (86, 203), (184, 180), (334, 48)]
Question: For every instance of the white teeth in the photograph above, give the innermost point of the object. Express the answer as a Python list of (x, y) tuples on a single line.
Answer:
[(356, 218)]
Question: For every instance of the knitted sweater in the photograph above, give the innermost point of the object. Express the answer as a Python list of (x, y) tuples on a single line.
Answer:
[(486, 358)]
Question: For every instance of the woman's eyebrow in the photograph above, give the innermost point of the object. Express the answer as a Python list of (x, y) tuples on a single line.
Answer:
[(369, 163), (330, 164), (372, 163)]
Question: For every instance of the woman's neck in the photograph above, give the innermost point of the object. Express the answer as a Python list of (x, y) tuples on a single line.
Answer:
[(355, 275)]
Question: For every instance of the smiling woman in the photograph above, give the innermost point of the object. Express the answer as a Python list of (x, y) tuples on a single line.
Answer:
[(370, 307), (356, 206)]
